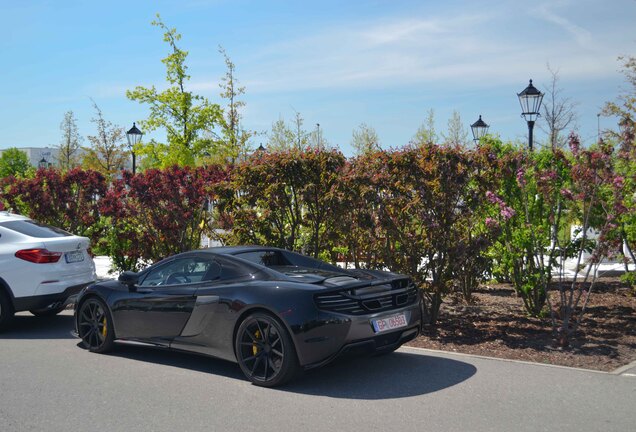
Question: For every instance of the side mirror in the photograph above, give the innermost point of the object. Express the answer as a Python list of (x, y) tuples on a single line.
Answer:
[(129, 278)]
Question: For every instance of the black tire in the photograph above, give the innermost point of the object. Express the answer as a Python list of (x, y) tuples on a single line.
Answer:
[(47, 312), (6, 310), (265, 351), (95, 326)]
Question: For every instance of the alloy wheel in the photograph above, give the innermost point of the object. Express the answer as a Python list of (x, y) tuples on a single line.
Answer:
[(93, 325), (261, 349)]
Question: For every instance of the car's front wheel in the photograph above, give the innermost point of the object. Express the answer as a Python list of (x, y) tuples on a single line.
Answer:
[(6, 310), (95, 326), (265, 351)]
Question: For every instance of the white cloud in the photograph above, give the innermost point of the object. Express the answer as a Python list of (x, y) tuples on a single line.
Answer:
[(445, 50), (547, 12), (473, 50)]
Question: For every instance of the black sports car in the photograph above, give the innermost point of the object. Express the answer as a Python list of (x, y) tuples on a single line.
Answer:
[(273, 311)]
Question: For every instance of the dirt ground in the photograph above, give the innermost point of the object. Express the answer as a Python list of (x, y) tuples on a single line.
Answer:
[(495, 325)]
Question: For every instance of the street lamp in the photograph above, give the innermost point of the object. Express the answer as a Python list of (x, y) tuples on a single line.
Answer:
[(43, 163), (479, 128), (530, 99), (133, 136)]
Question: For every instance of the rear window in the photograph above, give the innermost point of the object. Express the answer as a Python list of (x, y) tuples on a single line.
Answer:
[(35, 229), (265, 258)]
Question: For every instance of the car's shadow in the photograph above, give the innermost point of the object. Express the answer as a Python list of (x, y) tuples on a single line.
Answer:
[(27, 326), (194, 362), (397, 375)]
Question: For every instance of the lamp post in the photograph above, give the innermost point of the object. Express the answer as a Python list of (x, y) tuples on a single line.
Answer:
[(479, 128), (318, 135), (530, 99), (133, 136)]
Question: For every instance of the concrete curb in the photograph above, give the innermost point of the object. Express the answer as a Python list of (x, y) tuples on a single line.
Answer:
[(626, 370), (619, 371)]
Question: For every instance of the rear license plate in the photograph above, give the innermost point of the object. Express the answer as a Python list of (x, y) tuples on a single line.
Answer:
[(75, 256), (390, 323)]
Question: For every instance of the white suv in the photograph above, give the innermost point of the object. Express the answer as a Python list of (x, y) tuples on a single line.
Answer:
[(41, 267)]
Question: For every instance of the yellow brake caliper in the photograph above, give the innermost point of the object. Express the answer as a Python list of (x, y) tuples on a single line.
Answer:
[(254, 347), (104, 328)]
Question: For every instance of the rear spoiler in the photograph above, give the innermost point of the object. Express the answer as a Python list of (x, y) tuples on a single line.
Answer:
[(363, 283), (398, 284)]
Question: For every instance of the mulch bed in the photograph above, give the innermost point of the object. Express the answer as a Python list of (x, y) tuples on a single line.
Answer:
[(495, 325)]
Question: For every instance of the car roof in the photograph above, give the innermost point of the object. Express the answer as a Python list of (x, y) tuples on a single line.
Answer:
[(6, 216), (233, 250)]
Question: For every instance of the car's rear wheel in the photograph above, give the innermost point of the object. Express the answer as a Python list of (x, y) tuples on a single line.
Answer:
[(6, 310), (47, 312), (265, 351), (95, 326)]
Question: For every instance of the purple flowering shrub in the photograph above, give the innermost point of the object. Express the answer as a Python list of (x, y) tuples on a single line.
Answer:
[(530, 208)]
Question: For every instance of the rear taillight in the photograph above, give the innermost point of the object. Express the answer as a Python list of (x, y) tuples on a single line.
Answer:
[(38, 256)]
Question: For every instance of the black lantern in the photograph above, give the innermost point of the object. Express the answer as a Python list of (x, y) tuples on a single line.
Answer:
[(134, 137), (530, 99), (479, 128), (260, 148), (43, 163)]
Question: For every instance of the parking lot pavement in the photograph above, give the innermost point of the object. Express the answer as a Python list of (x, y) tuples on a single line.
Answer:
[(48, 383)]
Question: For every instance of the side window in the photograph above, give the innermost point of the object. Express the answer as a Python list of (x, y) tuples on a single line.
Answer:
[(183, 271), (231, 270)]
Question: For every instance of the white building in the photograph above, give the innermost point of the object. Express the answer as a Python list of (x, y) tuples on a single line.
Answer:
[(40, 156)]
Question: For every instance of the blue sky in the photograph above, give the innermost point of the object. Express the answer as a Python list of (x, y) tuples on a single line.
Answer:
[(338, 63)]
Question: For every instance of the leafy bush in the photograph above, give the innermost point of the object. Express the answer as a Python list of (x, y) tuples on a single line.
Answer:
[(284, 199), (68, 200), (447, 216), (158, 213)]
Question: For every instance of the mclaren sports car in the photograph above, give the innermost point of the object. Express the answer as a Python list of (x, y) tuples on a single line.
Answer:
[(272, 311)]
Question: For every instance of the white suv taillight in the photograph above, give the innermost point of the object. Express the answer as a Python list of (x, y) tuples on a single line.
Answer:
[(38, 256)]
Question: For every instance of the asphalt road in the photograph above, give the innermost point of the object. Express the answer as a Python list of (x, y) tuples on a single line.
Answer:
[(48, 383)]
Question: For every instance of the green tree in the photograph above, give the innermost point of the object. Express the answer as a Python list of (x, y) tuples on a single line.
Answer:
[(456, 134), (426, 133), (559, 113), (316, 139), (185, 116), (625, 105), (625, 109), (69, 147), (106, 153), (301, 137), (14, 162), (234, 139), (365, 139), (285, 137), (281, 136)]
